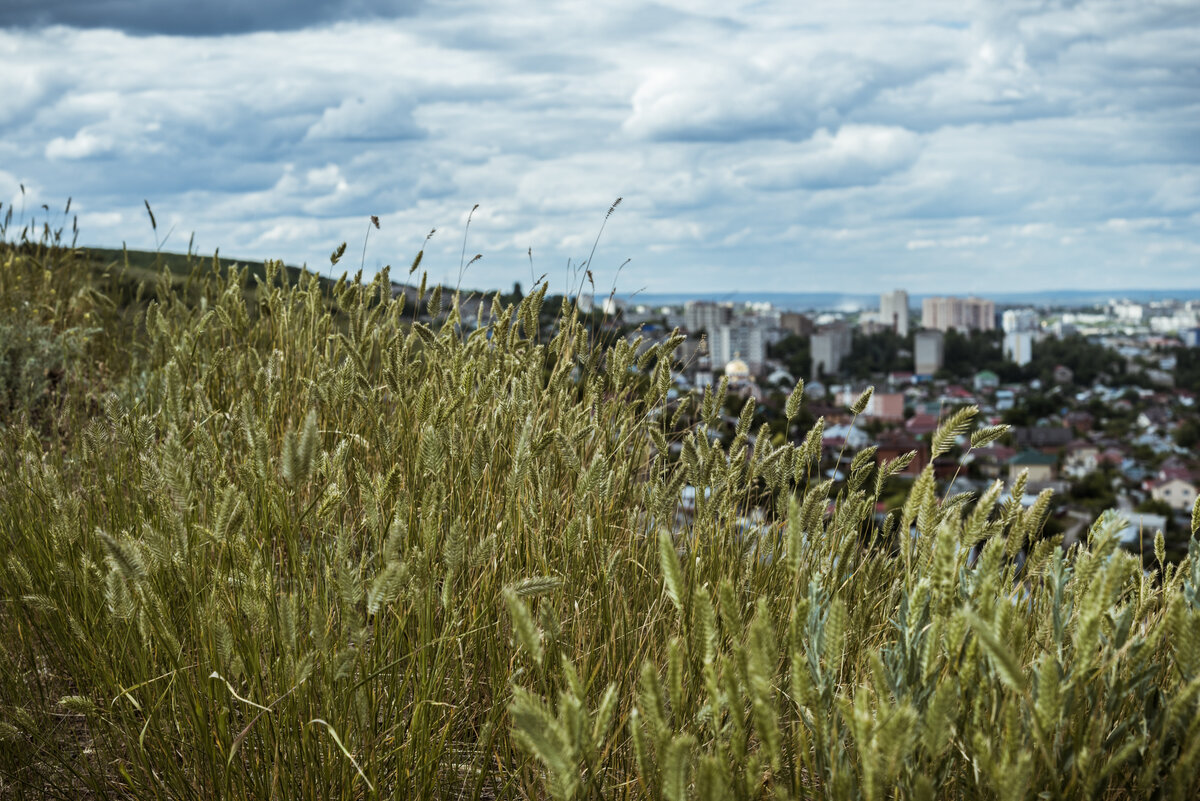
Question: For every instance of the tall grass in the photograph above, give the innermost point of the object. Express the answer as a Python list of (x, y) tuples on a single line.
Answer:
[(303, 544)]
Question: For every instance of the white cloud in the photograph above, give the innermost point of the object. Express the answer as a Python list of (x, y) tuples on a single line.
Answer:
[(84, 144), (1121, 225), (376, 116), (755, 143), (954, 242), (856, 155)]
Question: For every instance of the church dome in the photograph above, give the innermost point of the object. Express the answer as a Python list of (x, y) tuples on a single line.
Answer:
[(737, 370)]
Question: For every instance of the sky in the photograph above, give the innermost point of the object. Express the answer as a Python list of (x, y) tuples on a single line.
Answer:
[(757, 146)]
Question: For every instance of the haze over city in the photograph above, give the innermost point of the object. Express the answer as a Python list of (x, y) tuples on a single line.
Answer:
[(945, 147)]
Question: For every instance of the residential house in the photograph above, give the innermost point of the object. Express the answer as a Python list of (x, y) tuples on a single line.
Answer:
[(1082, 457), (1041, 437), (1140, 528), (955, 394), (894, 444), (986, 381), (1174, 467), (1154, 418), (992, 460), (886, 406), (1178, 493), (1063, 374), (1079, 420), (1042, 467), (1173, 484), (838, 436), (946, 467), (921, 424)]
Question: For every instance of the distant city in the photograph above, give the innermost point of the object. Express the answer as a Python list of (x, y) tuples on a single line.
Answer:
[(1101, 396), (747, 329)]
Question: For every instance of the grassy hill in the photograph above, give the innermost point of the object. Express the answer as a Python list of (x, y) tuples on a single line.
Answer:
[(302, 545)]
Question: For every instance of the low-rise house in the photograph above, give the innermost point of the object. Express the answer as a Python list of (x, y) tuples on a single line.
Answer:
[(835, 437), (986, 381), (894, 444), (1153, 418), (1063, 374), (1042, 467), (921, 424), (1161, 378), (955, 393), (886, 406), (833, 414), (1047, 437), (1079, 420), (1140, 528), (1082, 457), (1174, 467), (1178, 493), (993, 460), (946, 467)]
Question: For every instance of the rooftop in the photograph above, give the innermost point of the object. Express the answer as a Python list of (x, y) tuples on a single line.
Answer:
[(1033, 458)]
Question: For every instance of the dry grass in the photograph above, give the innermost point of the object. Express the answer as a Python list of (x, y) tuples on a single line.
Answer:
[(300, 544)]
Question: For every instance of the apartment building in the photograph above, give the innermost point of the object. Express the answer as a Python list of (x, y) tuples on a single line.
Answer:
[(829, 346), (706, 315), (893, 311), (961, 314), (930, 353)]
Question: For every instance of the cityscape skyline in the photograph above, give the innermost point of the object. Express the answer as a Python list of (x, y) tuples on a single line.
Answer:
[(960, 148), (744, 338)]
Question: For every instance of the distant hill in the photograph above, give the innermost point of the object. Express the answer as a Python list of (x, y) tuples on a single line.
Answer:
[(148, 263), (141, 261)]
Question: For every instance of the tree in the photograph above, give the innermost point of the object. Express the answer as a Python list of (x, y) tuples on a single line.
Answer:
[(1188, 434), (795, 352), (877, 354), (1087, 360), (968, 353), (1095, 491)]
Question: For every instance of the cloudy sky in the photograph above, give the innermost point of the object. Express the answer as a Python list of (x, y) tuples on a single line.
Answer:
[(783, 146)]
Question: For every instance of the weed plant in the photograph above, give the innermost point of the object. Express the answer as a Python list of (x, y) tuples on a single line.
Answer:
[(299, 543)]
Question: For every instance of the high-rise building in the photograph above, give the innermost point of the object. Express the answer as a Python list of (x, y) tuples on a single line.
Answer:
[(963, 314), (930, 353), (703, 372), (743, 339), (893, 311), (1020, 320), (829, 346), (706, 315), (1018, 347), (796, 323)]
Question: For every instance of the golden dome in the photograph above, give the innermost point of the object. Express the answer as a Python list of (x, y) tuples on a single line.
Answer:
[(737, 369)]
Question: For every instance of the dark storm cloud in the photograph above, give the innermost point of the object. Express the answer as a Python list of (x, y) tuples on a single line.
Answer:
[(196, 17)]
